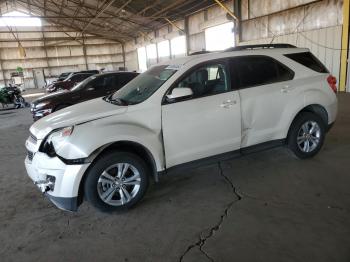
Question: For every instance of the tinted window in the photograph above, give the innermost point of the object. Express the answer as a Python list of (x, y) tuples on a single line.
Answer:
[(124, 78), (249, 71), (207, 80), (78, 78), (103, 82), (309, 60), (84, 84)]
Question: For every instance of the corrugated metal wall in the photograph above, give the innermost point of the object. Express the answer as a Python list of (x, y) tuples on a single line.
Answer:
[(325, 43), (315, 24), (53, 55)]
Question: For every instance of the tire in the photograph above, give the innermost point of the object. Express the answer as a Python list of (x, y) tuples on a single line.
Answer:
[(306, 135), (104, 190)]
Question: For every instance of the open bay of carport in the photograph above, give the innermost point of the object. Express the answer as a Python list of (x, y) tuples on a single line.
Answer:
[(267, 206)]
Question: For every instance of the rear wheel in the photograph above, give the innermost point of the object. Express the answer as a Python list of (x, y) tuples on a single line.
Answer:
[(306, 135), (117, 181)]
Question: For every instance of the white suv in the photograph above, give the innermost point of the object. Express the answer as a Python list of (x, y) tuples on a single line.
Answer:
[(187, 111)]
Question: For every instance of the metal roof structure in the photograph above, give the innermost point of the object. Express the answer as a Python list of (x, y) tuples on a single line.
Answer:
[(120, 20)]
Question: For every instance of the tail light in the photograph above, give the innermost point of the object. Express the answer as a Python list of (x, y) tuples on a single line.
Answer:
[(332, 82)]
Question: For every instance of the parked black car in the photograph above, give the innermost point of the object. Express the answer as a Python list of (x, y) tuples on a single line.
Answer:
[(92, 87), (65, 75), (69, 82)]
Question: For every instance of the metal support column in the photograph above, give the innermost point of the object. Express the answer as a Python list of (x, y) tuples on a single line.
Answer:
[(46, 56), (237, 8), (187, 34), (230, 13), (2, 69), (84, 53), (344, 46), (123, 50)]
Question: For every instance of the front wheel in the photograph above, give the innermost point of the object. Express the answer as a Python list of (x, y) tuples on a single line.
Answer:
[(306, 135), (117, 181)]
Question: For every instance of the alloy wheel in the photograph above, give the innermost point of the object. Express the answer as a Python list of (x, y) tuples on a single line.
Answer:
[(309, 136), (118, 184)]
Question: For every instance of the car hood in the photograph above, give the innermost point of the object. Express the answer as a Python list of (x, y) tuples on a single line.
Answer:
[(74, 115), (51, 96)]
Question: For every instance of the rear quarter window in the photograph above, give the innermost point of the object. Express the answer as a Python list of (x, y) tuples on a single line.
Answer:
[(309, 60), (256, 70)]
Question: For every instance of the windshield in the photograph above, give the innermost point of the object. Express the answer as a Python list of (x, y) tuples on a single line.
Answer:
[(144, 85), (82, 84), (68, 77)]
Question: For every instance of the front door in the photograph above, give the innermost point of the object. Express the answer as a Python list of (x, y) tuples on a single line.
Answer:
[(206, 124)]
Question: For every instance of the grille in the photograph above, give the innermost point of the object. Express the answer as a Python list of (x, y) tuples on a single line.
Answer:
[(30, 155), (33, 138)]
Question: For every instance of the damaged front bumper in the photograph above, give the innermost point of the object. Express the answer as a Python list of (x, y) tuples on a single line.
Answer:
[(55, 179)]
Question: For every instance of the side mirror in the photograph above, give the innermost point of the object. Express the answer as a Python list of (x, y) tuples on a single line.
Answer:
[(180, 92)]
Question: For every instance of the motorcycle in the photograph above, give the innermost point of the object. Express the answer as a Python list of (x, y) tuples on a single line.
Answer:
[(12, 95)]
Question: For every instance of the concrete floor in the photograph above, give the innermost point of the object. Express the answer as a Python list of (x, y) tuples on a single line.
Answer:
[(267, 206)]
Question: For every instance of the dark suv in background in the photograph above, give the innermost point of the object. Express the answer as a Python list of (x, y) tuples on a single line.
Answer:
[(64, 75), (92, 87), (69, 82)]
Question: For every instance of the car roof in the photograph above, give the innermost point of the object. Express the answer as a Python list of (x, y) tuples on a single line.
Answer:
[(118, 72), (204, 55), (84, 74)]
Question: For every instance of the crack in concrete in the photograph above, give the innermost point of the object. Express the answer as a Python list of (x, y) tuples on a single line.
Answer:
[(202, 239), (290, 203)]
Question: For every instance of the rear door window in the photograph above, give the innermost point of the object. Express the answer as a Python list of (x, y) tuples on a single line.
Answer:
[(250, 71), (309, 60), (79, 78), (104, 82)]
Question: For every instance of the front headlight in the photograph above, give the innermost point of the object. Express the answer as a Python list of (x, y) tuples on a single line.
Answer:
[(56, 140), (40, 105)]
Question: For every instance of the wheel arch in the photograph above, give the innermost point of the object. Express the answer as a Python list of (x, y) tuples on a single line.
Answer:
[(126, 146), (317, 109)]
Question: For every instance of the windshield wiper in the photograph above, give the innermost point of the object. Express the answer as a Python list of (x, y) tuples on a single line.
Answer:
[(115, 101)]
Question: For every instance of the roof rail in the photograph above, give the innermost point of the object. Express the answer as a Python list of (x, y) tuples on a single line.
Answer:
[(262, 46), (200, 52)]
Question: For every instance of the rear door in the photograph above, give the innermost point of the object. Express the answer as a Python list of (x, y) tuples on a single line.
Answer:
[(265, 88), (206, 124)]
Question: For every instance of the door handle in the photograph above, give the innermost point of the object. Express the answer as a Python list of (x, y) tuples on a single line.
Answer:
[(228, 103), (286, 89)]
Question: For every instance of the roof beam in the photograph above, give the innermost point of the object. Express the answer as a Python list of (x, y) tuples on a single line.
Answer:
[(119, 34)]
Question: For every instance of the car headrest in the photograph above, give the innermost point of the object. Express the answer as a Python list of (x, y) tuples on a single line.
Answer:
[(202, 76)]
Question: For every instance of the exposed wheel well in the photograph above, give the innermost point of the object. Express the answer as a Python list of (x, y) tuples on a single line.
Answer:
[(126, 146), (316, 109)]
